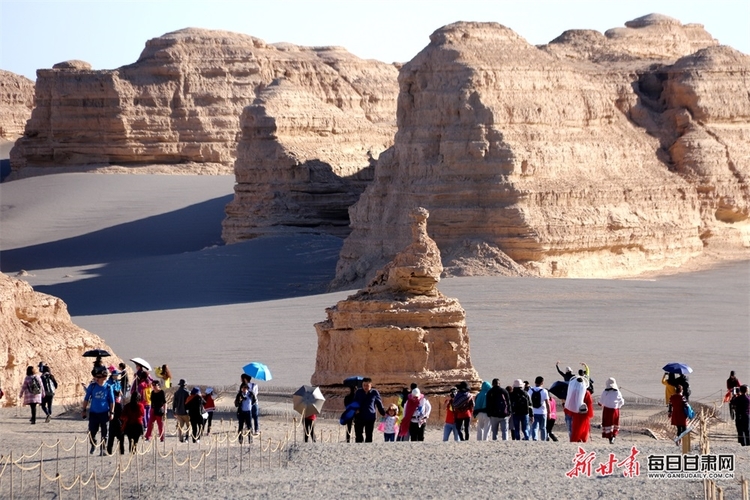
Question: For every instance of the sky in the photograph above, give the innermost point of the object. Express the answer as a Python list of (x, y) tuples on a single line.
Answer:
[(112, 33)]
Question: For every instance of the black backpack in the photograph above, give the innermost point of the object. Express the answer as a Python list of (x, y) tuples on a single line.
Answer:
[(536, 398), (50, 384), (502, 405), (521, 404)]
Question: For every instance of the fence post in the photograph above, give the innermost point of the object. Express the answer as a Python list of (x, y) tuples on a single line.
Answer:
[(11, 463), (57, 463), (39, 491), (119, 480), (156, 452)]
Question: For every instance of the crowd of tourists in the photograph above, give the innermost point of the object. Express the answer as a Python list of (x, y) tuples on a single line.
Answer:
[(522, 411)]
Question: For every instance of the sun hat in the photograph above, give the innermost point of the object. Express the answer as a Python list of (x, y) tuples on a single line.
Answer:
[(415, 392), (611, 383), (518, 383), (196, 390), (568, 369), (182, 382), (209, 390)]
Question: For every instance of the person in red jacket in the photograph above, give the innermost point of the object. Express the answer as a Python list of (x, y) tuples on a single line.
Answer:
[(676, 411), (132, 420)]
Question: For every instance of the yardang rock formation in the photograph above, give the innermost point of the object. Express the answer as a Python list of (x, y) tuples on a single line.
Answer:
[(595, 155), (400, 328), (16, 102), (36, 327)]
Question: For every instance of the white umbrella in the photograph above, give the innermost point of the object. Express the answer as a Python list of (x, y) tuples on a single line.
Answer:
[(142, 362), (308, 400)]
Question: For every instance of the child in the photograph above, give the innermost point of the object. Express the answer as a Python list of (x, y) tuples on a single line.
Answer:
[(391, 427)]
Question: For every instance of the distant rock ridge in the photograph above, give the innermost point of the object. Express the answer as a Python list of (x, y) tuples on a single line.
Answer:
[(592, 156), (16, 102), (400, 328), (36, 327)]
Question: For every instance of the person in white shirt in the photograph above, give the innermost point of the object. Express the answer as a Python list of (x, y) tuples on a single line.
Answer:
[(540, 404)]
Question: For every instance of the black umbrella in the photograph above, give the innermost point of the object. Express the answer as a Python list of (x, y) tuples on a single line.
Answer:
[(96, 353), (559, 388), (355, 381)]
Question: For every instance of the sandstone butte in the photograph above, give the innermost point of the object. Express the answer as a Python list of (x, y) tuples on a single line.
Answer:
[(400, 328), (37, 327), (16, 102), (317, 118), (596, 155)]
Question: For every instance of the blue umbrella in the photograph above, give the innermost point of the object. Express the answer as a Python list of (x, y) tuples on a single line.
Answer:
[(257, 370), (677, 368), (355, 381)]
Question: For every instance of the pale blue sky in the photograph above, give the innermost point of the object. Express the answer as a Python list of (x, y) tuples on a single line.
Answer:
[(111, 33)]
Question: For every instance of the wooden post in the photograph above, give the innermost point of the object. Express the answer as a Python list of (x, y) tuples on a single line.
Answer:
[(686, 443), (11, 474), (39, 491), (57, 462)]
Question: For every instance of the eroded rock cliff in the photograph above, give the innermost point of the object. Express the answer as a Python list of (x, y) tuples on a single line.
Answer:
[(400, 328), (180, 103), (596, 155), (36, 327), (16, 102)]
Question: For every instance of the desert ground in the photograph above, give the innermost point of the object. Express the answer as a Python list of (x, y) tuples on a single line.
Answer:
[(139, 261)]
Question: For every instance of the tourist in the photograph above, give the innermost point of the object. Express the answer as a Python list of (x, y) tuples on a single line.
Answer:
[(102, 400), (209, 407), (520, 404), (511, 423), (498, 409), (574, 401), (741, 405), (179, 411), (132, 421), (255, 409), (142, 387), (463, 405), (611, 401), (568, 372), (114, 380), (480, 413), (581, 420), (244, 403), (670, 382), (683, 382), (585, 372), (416, 413), (194, 406), (678, 410), (368, 400), (540, 409), (115, 426), (50, 385), (32, 391), (390, 423), (732, 384), (309, 422), (450, 418), (158, 406), (551, 419), (163, 373)]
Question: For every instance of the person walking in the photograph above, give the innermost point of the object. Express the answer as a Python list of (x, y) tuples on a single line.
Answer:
[(498, 409), (741, 405), (255, 409), (309, 422), (32, 391), (521, 404), (678, 410), (179, 411), (158, 409), (670, 383), (194, 406), (390, 423), (349, 399), (101, 399), (244, 403), (450, 418), (463, 405), (132, 421), (209, 407), (124, 379), (540, 408), (581, 420), (369, 401), (49, 383), (115, 426), (480, 412), (416, 413), (611, 401), (551, 419), (574, 401)]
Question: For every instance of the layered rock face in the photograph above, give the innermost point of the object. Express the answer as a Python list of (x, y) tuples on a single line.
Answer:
[(37, 327), (308, 148), (400, 328), (596, 155), (16, 102), (180, 103)]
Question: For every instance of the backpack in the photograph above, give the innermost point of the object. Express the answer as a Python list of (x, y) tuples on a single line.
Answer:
[(462, 401), (49, 384), (34, 386), (536, 398), (521, 404)]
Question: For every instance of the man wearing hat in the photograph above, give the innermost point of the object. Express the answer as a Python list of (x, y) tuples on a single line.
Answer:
[(521, 404), (180, 412)]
